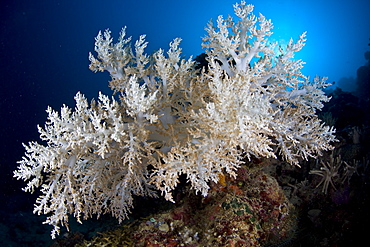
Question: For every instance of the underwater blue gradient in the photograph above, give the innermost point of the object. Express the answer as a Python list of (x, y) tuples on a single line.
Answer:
[(44, 46)]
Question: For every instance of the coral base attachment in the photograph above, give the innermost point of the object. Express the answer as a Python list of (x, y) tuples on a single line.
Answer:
[(250, 210)]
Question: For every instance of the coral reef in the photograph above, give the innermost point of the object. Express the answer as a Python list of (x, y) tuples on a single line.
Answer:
[(250, 210), (170, 119)]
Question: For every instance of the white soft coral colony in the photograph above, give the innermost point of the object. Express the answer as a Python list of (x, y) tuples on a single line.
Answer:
[(173, 119)]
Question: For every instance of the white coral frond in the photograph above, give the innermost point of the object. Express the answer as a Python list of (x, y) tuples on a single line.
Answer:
[(170, 118)]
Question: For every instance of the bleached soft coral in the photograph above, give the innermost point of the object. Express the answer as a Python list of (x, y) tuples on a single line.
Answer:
[(173, 119)]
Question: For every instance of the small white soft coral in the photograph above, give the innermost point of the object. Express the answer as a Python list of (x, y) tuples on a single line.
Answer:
[(329, 173)]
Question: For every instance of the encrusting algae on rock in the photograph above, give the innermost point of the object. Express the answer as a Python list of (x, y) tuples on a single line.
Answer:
[(250, 210)]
